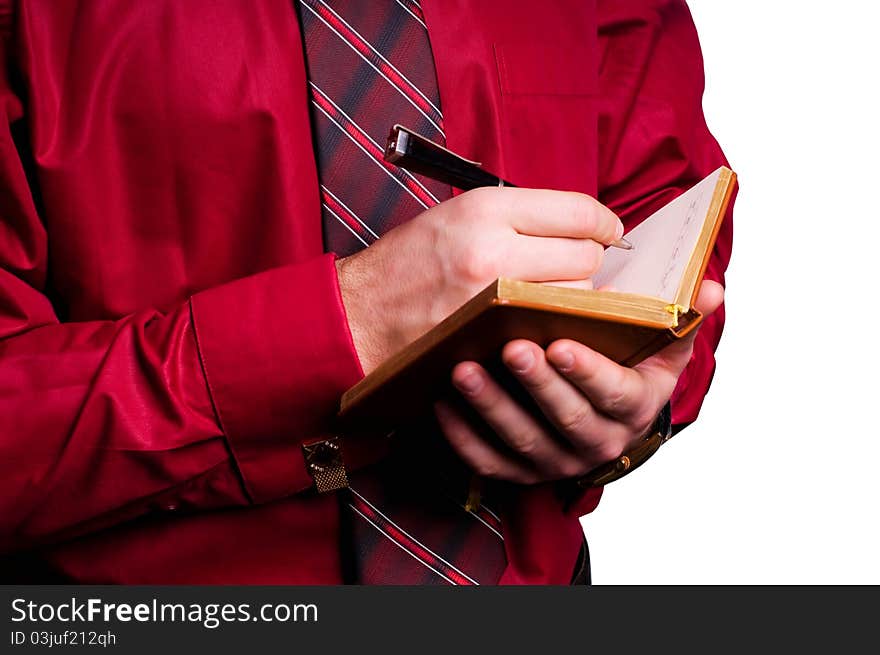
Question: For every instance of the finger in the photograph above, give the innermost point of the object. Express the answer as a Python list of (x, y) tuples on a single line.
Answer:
[(565, 406), (624, 392), (615, 390), (710, 297), (540, 259), (541, 212), (585, 284), (476, 452), (512, 423), (675, 357)]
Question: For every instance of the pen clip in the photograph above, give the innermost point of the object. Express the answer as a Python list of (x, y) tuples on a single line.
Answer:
[(402, 135), (413, 152)]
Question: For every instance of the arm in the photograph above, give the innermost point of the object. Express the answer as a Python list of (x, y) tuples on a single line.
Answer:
[(654, 144), (200, 406)]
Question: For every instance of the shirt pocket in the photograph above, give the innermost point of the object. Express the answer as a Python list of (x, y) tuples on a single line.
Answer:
[(549, 112), (547, 68)]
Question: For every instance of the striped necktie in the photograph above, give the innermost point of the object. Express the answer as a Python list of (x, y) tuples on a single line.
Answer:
[(370, 65)]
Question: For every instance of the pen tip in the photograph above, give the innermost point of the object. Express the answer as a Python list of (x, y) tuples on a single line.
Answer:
[(623, 244)]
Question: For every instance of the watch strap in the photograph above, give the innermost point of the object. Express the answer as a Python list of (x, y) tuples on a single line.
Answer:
[(659, 433)]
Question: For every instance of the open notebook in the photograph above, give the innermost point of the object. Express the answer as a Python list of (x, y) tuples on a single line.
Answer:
[(669, 247), (655, 285)]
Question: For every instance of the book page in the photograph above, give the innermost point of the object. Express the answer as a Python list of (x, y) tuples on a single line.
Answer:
[(662, 246)]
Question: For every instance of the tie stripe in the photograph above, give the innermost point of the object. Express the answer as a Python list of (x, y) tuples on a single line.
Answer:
[(382, 66), (407, 542), (413, 9), (348, 218), (369, 67), (372, 149), (487, 519)]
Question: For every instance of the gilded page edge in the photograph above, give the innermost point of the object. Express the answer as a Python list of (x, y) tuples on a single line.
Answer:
[(696, 268)]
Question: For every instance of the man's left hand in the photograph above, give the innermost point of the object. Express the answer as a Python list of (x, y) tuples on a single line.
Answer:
[(593, 409)]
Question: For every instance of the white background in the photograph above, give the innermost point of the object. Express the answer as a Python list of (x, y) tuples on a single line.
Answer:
[(778, 482)]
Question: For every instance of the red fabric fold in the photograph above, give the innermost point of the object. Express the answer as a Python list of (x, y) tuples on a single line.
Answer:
[(277, 355)]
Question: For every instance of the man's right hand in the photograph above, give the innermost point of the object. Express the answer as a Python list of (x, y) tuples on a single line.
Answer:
[(419, 273)]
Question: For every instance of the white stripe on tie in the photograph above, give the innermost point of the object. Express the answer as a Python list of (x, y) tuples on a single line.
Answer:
[(409, 536), (373, 66)]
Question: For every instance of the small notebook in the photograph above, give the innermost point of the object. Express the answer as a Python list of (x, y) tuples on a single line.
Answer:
[(665, 244), (655, 285)]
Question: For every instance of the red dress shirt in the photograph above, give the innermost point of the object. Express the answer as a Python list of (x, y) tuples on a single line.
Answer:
[(170, 331)]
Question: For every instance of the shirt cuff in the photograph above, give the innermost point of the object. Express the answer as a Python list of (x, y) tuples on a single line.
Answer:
[(277, 355)]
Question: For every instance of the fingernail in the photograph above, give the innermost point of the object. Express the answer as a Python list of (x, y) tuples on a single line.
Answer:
[(619, 232), (471, 383), (562, 359), (521, 360)]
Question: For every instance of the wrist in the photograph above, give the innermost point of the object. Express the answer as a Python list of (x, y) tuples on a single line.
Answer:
[(659, 433), (351, 287), (371, 324)]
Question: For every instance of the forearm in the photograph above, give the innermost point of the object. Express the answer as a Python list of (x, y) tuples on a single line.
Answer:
[(200, 407)]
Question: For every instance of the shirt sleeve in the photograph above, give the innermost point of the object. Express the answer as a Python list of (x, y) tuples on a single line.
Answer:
[(199, 406), (654, 145)]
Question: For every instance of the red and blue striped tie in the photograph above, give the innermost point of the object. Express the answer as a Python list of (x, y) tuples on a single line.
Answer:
[(370, 65)]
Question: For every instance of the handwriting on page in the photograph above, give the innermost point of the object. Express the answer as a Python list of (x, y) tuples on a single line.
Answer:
[(662, 246), (689, 219)]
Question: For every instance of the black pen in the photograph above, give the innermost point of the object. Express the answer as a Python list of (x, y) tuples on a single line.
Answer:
[(415, 153)]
